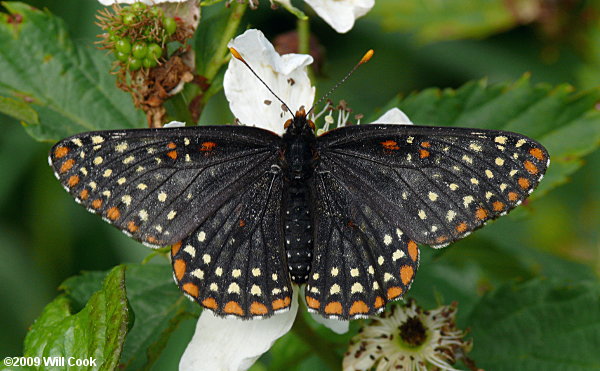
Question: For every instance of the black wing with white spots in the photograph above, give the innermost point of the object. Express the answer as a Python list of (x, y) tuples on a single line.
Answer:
[(381, 188)]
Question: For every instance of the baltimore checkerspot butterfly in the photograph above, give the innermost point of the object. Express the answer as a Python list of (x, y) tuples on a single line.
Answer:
[(248, 212)]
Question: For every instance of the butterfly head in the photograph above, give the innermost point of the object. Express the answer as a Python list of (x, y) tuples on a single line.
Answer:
[(300, 124)]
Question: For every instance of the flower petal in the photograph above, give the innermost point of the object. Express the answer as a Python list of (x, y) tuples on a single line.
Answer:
[(174, 124), (393, 116), (341, 14), (335, 325), (249, 99), (234, 344)]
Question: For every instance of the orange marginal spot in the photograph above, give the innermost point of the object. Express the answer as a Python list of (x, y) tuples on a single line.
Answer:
[(413, 250), (84, 194), (61, 152), (423, 153), (498, 206), (358, 307), (379, 302), (278, 304), (73, 180), (175, 248), (312, 303), (131, 227), (233, 307), (390, 145), (481, 213), (513, 196), (179, 268), (335, 307), (191, 289), (524, 183), (113, 213), (426, 144), (394, 292), (441, 239), (209, 303), (258, 309), (537, 153), (406, 273), (96, 204), (67, 165), (242, 223), (171, 145), (172, 154), (208, 146), (287, 300), (152, 239), (462, 227), (530, 167)]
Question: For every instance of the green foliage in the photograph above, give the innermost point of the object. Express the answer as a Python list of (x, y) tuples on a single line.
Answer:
[(66, 85), (59, 332)]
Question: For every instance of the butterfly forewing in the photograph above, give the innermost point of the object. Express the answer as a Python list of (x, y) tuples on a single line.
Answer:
[(158, 185), (437, 183)]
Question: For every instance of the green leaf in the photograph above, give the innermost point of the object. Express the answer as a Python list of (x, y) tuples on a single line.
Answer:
[(158, 305), (97, 332), (538, 325), (18, 109), (69, 87), (434, 20), (566, 122)]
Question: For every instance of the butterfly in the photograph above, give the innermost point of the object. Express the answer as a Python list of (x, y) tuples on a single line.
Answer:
[(248, 212)]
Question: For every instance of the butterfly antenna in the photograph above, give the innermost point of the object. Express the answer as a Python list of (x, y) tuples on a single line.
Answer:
[(362, 61), (239, 57)]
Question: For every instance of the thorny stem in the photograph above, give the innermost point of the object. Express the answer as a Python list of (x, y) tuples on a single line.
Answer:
[(324, 349)]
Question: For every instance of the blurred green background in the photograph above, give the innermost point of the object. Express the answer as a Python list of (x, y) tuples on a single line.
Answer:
[(45, 237)]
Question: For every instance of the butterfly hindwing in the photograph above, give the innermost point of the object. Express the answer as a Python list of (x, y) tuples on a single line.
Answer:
[(438, 183), (234, 262), (158, 185)]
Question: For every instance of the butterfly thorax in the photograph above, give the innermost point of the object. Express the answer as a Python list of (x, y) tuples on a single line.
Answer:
[(299, 144)]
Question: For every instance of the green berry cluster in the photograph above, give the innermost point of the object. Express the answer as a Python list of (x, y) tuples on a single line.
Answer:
[(136, 33)]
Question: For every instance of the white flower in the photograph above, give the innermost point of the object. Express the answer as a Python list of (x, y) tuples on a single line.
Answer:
[(408, 338), (231, 343), (148, 2), (339, 14)]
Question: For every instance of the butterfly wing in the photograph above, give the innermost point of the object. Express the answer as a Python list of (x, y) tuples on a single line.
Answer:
[(401, 184), (186, 187)]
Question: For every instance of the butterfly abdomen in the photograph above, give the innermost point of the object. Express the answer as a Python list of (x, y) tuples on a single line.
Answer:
[(298, 232)]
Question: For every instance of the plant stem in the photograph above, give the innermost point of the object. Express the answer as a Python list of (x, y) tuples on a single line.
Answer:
[(324, 349), (303, 27)]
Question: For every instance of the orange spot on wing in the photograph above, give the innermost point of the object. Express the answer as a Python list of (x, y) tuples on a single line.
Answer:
[(280, 303), (113, 213), (242, 223), (191, 289), (530, 167), (513, 196), (390, 145), (179, 268), (481, 213), (524, 183), (84, 194), (175, 248), (441, 239), (172, 154), (208, 146), (462, 227), (335, 307), (413, 250), (537, 153), (406, 273), (171, 145), (67, 165), (358, 307), (258, 308), (73, 180), (312, 303), (96, 204), (379, 302), (423, 153), (498, 206), (210, 303), (426, 144), (394, 292), (233, 307), (131, 227), (61, 152), (152, 239)]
